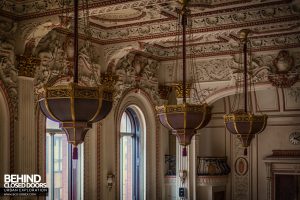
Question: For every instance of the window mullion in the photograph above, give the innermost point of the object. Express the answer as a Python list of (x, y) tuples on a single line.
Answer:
[(70, 172)]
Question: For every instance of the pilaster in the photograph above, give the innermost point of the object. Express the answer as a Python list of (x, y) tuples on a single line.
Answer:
[(26, 136), (185, 167)]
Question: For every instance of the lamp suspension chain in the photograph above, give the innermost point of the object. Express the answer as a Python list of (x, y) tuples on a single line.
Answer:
[(245, 75), (184, 23), (75, 80)]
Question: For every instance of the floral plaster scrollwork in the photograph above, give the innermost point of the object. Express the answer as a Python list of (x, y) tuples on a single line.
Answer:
[(214, 69), (209, 80), (259, 66), (137, 71)]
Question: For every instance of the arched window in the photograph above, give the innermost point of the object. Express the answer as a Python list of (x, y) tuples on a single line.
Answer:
[(130, 154), (61, 171)]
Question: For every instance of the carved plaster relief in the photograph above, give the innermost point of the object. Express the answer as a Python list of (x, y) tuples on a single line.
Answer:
[(136, 71), (57, 61), (8, 71)]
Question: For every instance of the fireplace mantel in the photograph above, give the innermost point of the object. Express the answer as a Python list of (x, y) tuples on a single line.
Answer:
[(281, 162)]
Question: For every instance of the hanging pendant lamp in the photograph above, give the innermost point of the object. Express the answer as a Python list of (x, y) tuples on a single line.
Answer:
[(244, 123), (76, 107), (184, 119)]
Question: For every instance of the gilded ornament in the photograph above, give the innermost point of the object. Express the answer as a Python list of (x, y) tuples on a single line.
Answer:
[(179, 90), (109, 80), (27, 65)]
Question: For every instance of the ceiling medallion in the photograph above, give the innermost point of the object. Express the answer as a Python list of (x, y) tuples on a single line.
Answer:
[(284, 73), (184, 119), (129, 14), (76, 107), (243, 122)]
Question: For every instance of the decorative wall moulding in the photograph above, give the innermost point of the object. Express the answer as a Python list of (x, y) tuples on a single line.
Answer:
[(283, 73), (241, 166)]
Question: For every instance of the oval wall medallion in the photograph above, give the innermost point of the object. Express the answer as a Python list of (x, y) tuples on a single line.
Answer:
[(241, 166)]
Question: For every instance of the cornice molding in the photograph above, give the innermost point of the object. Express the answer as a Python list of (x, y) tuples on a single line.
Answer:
[(167, 27)]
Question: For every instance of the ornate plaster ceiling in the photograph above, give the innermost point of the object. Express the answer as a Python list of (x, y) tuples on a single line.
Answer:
[(152, 26), (125, 17), (144, 32)]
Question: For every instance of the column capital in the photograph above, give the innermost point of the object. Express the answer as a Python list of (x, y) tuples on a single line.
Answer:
[(26, 65)]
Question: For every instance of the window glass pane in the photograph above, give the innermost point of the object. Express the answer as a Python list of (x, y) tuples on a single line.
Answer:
[(58, 164), (127, 168), (48, 161), (79, 169), (123, 123), (130, 161), (61, 157), (128, 125)]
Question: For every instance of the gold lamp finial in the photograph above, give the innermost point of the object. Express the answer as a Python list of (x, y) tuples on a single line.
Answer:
[(184, 2), (243, 34)]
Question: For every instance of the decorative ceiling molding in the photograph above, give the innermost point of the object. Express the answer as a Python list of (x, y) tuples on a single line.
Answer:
[(220, 21), (22, 10), (266, 42), (259, 43), (160, 31)]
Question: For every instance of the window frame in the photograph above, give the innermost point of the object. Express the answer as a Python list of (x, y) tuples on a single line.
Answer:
[(135, 134), (78, 173)]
